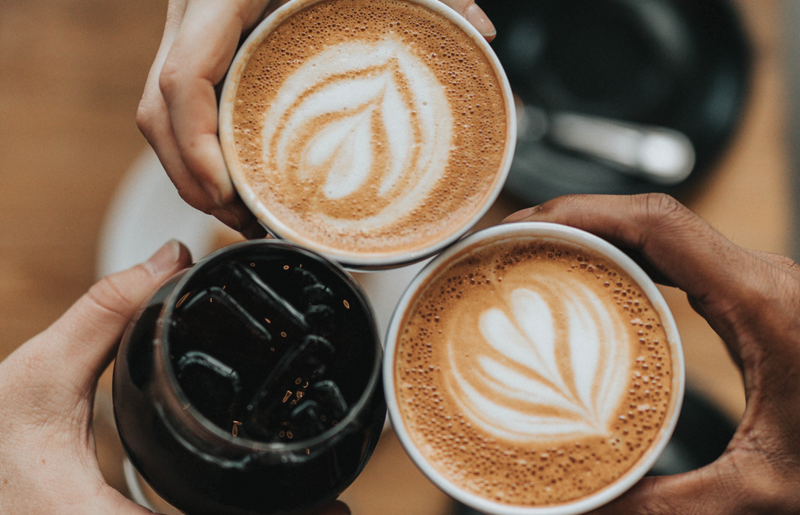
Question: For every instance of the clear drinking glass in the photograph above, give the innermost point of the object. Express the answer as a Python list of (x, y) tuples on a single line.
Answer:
[(250, 383)]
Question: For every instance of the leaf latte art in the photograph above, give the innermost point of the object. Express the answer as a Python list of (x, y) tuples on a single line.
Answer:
[(516, 386), (532, 372), (364, 123), (369, 129)]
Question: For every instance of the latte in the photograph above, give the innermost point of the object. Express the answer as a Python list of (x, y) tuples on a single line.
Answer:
[(371, 130), (533, 372)]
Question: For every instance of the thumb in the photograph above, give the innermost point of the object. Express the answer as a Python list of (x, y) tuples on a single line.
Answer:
[(707, 491), (78, 346)]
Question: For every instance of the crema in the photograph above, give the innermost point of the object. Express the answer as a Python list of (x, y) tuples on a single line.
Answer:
[(532, 372), (371, 128)]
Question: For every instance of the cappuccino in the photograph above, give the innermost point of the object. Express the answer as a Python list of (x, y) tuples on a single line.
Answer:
[(375, 131), (533, 371)]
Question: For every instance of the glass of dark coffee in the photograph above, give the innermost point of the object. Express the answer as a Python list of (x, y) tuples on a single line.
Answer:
[(250, 383)]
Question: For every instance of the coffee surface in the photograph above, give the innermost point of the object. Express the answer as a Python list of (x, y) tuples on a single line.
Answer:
[(371, 127), (532, 373)]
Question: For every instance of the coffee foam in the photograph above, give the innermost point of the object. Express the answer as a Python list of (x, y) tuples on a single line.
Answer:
[(532, 374), (370, 126)]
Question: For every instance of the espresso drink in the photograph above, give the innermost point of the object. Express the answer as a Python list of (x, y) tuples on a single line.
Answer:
[(370, 128), (250, 385), (270, 349), (532, 372)]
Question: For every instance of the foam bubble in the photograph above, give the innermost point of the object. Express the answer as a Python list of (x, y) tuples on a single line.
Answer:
[(536, 365), (381, 131)]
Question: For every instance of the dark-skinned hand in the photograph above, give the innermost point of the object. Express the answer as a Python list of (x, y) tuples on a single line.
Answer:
[(752, 300)]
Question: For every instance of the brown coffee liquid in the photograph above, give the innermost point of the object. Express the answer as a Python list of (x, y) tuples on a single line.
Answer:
[(405, 202), (502, 414)]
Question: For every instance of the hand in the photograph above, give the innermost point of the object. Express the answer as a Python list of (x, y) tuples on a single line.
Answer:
[(48, 463), (751, 299), (178, 110)]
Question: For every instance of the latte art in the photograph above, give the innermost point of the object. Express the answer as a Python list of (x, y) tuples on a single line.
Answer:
[(531, 392), (530, 372), (373, 131), (361, 122)]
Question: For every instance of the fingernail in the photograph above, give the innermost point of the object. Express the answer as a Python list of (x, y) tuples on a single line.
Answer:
[(165, 258), (522, 215), (478, 19), (229, 218)]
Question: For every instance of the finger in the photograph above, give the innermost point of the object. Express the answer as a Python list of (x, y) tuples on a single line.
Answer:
[(708, 491), (675, 241), (783, 263), (154, 121), (76, 349), (197, 61), (475, 16)]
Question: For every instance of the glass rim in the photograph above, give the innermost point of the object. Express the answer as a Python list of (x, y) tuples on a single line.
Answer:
[(246, 444)]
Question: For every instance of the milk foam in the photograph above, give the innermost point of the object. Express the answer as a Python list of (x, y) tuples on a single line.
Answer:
[(330, 112), (530, 396), (532, 373), (370, 128)]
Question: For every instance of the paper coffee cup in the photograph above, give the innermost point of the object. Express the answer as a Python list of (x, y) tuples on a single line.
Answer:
[(375, 132), (533, 369)]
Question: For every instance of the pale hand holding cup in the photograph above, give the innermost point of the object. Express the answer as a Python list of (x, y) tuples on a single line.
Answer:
[(178, 110), (48, 463)]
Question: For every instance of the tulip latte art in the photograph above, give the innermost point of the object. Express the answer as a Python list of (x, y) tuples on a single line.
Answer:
[(532, 373), (370, 127)]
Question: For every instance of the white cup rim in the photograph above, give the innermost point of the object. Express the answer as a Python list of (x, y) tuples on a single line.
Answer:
[(279, 229), (576, 237)]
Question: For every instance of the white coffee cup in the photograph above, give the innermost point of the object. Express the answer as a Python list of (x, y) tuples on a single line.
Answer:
[(354, 257), (540, 232)]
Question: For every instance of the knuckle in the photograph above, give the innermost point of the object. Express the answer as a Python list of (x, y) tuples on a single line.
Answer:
[(171, 76), (661, 214), (144, 119), (108, 295), (658, 207)]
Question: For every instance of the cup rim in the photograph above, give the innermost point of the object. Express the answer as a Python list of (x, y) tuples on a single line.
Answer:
[(550, 231), (175, 391), (356, 260)]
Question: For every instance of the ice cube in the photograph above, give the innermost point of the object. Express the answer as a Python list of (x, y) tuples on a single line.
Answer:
[(317, 294), (287, 384), (211, 386), (251, 283), (305, 420), (330, 399), (218, 296), (322, 318)]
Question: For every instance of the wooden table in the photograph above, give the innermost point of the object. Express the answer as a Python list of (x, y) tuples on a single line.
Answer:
[(71, 74)]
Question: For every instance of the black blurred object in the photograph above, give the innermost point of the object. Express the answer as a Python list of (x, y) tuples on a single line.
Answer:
[(679, 64), (700, 437)]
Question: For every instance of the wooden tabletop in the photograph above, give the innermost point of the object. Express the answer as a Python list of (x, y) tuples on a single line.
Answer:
[(71, 74)]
